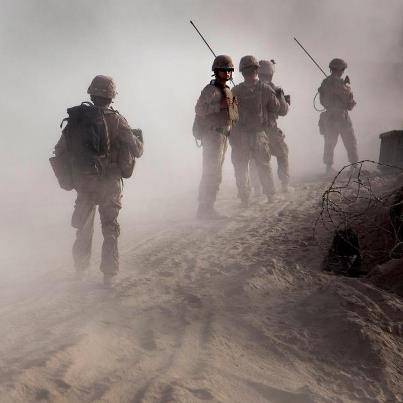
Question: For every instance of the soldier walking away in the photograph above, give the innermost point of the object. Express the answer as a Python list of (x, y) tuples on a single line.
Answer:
[(96, 150), (249, 140), (337, 98), (278, 146), (216, 112)]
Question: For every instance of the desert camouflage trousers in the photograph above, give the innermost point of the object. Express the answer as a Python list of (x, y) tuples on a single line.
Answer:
[(214, 145), (331, 126), (106, 194), (278, 149), (250, 146)]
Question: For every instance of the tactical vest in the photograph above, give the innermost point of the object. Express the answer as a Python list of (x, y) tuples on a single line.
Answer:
[(224, 118), (252, 115)]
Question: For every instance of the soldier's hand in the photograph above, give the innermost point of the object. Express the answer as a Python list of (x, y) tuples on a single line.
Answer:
[(138, 133)]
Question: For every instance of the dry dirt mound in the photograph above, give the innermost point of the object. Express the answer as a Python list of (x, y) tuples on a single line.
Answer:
[(389, 276)]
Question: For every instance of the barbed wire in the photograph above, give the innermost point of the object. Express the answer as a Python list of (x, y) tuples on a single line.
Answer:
[(362, 200)]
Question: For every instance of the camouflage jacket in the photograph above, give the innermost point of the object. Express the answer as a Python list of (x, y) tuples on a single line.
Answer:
[(257, 105), (215, 109), (335, 95)]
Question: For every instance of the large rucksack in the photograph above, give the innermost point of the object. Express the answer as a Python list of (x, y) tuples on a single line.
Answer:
[(88, 139)]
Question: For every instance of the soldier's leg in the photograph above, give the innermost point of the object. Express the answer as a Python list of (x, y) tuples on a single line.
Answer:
[(279, 148), (262, 155), (109, 207), (350, 143), (240, 157), (254, 177), (330, 138), (214, 148), (83, 221)]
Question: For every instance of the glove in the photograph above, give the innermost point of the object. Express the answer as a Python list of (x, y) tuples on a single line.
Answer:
[(139, 134), (279, 92)]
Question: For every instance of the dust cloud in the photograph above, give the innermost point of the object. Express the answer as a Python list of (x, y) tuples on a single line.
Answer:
[(213, 282), (51, 50)]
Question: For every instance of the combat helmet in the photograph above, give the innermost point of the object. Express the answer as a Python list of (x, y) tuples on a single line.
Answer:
[(267, 67), (223, 62), (337, 64), (102, 86), (248, 61)]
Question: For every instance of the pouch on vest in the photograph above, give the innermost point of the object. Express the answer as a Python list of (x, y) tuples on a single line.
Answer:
[(198, 127), (323, 122), (62, 168)]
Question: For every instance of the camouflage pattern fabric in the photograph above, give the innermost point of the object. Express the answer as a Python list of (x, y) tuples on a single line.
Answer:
[(106, 193), (338, 99), (102, 191), (249, 139), (216, 111)]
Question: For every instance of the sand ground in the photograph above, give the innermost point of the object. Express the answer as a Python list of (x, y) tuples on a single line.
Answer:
[(228, 311)]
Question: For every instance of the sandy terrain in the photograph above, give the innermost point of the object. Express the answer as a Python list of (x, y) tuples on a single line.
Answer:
[(231, 311)]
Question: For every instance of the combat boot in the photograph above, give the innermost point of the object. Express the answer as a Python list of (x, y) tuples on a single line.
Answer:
[(257, 191), (284, 187), (244, 202), (330, 171), (208, 212), (108, 280), (270, 198)]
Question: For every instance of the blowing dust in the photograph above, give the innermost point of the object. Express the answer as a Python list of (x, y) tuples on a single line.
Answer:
[(178, 276)]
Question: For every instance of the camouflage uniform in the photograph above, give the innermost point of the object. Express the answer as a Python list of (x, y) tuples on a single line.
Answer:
[(104, 191), (216, 111), (278, 146), (337, 98), (249, 139)]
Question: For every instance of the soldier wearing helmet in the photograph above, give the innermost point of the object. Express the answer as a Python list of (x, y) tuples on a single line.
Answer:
[(98, 143), (337, 98), (216, 112), (278, 146), (249, 139)]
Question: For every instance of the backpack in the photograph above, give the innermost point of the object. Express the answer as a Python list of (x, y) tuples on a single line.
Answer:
[(88, 139)]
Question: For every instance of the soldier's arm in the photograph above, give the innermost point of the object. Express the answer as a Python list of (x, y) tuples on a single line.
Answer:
[(205, 105), (344, 94), (281, 98), (348, 97), (323, 95), (273, 104), (283, 105), (132, 138), (351, 102)]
